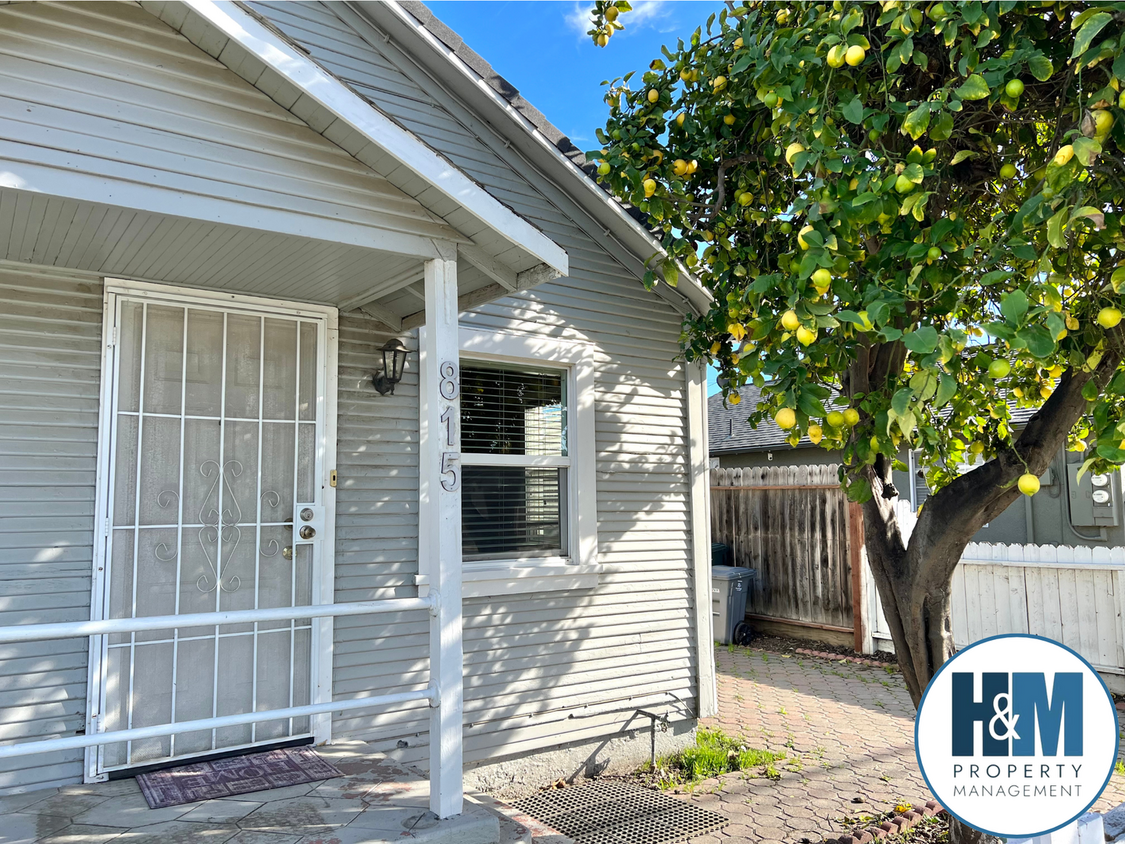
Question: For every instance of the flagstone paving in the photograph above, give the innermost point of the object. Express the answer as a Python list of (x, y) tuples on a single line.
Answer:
[(847, 732), (375, 802)]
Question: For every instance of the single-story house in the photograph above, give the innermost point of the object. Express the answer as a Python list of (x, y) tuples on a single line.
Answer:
[(1067, 510), (333, 406)]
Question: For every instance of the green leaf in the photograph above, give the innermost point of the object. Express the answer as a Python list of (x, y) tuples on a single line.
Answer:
[(906, 423), (994, 276), (1013, 306), (947, 388), (1040, 67), (974, 88), (1111, 453), (671, 272), (863, 199), (943, 126), (1088, 32), (916, 122), (853, 111), (915, 173), (1086, 150), (1039, 341), (810, 405), (1055, 228), (1085, 467), (1090, 391), (900, 402), (921, 340)]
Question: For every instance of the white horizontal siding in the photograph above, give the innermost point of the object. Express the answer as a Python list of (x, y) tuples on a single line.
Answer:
[(594, 654), (104, 99), (50, 358)]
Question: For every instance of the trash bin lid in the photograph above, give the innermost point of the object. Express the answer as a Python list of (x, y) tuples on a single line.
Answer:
[(730, 573)]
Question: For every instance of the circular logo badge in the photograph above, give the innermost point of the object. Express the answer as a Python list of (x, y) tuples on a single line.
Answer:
[(1016, 735)]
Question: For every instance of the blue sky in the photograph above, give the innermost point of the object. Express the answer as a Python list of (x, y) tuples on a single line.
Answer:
[(542, 48)]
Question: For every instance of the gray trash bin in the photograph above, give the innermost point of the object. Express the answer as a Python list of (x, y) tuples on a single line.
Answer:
[(730, 586)]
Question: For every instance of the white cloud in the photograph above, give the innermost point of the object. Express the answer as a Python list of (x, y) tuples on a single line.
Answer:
[(653, 14)]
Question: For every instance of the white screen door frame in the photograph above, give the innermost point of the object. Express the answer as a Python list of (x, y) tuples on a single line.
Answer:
[(119, 292)]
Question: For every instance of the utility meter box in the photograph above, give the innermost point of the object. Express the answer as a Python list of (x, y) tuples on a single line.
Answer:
[(1094, 500)]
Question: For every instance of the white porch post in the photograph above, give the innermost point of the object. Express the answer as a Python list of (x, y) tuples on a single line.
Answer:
[(439, 525)]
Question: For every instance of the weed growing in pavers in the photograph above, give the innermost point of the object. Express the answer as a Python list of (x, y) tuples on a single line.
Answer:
[(880, 704), (714, 753), (890, 669), (765, 658), (781, 711), (772, 772), (1119, 768)]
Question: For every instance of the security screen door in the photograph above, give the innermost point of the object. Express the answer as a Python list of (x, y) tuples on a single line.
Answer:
[(215, 452)]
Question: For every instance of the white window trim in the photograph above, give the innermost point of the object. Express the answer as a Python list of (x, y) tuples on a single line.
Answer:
[(580, 569)]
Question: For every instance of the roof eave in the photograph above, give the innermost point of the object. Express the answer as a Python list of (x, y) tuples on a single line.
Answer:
[(263, 43)]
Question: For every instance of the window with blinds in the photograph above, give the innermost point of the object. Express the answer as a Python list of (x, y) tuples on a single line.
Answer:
[(515, 462)]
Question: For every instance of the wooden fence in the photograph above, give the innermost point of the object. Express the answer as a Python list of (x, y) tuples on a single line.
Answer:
[(790, 524), (794, 526)]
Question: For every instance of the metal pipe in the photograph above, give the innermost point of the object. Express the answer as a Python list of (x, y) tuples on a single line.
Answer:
[(74, 629), (28, 748)]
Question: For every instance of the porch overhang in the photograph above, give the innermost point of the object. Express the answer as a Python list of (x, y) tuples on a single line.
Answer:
[(269, 61)]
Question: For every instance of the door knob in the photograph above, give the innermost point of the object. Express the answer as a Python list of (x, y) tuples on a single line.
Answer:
[(287, 552), (307, 532)]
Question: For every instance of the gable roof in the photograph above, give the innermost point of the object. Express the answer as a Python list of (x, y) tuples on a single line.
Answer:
[(453, 64), (728, 432), (309, 57)]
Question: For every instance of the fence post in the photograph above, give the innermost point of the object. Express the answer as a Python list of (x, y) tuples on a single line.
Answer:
[(860, 626)]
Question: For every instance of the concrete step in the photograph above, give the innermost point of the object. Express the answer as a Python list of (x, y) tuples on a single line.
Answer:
[(476, 825)]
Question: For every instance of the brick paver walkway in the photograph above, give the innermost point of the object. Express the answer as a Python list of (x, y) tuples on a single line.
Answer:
[(847, 732)]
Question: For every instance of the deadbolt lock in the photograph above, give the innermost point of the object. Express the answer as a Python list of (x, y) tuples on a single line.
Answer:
[(307, 514)]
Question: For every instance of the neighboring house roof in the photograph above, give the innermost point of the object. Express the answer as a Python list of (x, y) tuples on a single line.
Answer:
[(728, 432)]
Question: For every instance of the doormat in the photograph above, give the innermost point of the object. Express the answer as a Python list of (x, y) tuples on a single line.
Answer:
[(237, 775), (602, 812)]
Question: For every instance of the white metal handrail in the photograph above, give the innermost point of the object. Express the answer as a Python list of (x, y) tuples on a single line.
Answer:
[(75, 629), (27, 748)]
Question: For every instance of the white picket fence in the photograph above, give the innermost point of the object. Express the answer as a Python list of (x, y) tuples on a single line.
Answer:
[(1072, 595)]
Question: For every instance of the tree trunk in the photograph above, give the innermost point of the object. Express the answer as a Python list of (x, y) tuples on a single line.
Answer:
[(915, 578)]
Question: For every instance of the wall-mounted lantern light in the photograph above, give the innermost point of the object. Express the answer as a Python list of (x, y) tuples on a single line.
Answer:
[(394, 363)]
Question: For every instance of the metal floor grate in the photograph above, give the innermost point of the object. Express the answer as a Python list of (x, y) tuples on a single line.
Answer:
[(600, 812)]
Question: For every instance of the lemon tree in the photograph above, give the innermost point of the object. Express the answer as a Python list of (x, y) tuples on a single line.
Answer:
[(912, 224)]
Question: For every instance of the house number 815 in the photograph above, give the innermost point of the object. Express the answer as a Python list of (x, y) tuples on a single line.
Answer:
[(449, 389)]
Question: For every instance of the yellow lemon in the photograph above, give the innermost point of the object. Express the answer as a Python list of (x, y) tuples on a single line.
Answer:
[(734, 398), (834, 418), (804, 336), (679, 167), (1056, 371), (1008, 171), (999, 369), (1103, 121), (1109, 317), (855, 55), (786, 418), (1071, 323), (719, 83), (602, 39), (1063, 156), (738, 43), (611, 14), (680, 119), (976, 448), (836, 56), (715, 347), (1028, 484), (851, 417), (1045, 391), (729, 119), (816, 434), (650, 187), (822, 278), (792, 150), (1018, 392), (790, 321), (653, 95), (804, 244)]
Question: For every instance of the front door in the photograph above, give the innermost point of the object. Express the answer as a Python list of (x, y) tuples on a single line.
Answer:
[(214, 447)]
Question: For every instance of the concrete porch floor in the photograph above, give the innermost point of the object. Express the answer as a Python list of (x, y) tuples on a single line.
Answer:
[(375, 802)]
